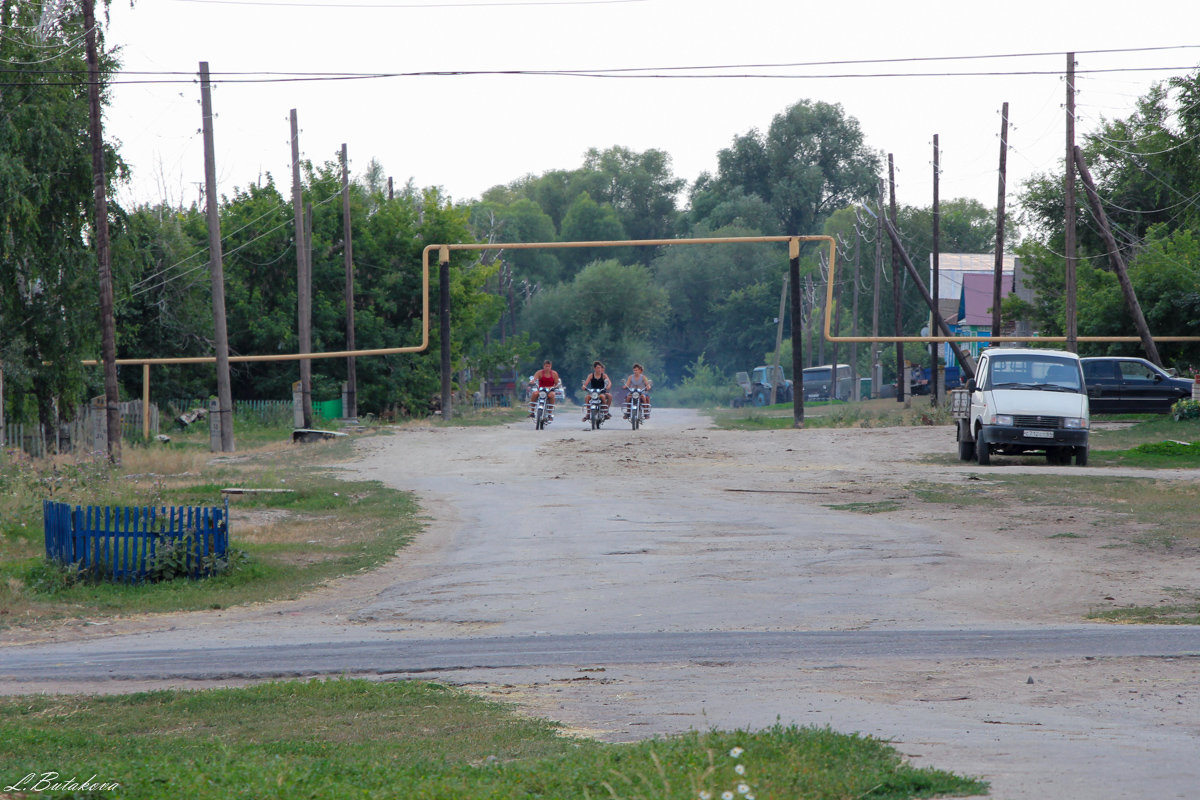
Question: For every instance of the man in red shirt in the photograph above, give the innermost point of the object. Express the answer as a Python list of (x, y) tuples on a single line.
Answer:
[(546, 378)]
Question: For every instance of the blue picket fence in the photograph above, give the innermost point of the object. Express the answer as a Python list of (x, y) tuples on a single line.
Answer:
[(120, 542)]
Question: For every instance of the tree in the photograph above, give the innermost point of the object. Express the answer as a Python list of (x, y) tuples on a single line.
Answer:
[(609, 311), (588, 221), (1144, 170), (48, 298), (811, 161), (699, 280)]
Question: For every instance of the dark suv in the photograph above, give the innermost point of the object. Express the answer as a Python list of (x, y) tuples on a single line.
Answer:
[(1119, 385)]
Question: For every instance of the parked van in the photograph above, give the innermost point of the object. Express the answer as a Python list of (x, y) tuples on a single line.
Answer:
[(818, 383)]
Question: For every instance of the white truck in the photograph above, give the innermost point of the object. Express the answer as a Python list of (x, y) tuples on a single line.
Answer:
[(1023, 401)]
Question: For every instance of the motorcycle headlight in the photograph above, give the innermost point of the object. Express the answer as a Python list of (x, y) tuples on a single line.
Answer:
[(1075, 423), (1002, 419)]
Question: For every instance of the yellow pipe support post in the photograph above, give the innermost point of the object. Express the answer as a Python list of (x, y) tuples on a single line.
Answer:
[(146, 402)]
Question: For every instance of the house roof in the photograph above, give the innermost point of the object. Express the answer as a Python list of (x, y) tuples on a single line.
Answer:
[(975, 306), (973, 262)]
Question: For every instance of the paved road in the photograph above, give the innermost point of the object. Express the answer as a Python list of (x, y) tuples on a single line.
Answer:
[(82, 662)]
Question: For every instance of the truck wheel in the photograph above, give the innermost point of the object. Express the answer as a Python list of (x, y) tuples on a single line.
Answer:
[(760, 397), (966, 450), (1081, 456), (982, 456)]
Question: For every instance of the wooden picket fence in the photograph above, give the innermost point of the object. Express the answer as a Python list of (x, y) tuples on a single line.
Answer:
[(86, 433), (120, 542)]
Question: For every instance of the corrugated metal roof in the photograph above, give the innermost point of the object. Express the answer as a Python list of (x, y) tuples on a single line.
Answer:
[(973, 262)]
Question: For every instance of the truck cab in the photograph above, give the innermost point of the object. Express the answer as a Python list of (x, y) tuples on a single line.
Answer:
[(1023, 401)]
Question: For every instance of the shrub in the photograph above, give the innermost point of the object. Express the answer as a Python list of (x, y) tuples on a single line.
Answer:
[(1186, 409)]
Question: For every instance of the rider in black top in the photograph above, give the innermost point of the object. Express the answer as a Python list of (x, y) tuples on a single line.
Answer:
[(598, 379)]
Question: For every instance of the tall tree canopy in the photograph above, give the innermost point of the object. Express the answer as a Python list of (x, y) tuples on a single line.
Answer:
[(811, 162), (1144, 167), (48, 300)]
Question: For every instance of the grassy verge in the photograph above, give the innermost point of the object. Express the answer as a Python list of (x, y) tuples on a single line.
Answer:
[(321, 528), (354, 738), (879, 413)]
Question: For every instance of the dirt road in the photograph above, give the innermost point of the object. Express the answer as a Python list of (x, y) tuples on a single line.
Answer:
[(681, 528)]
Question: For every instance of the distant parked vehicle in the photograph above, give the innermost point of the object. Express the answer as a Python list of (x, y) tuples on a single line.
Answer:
[(756, 386), (1119, 385), (818, 383)]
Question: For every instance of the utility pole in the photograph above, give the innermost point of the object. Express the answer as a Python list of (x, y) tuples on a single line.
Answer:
[(936, 256), (303, 305), (1114, 255), (779, 337), (896, 294), (797, 335), (1069, 220), (837, 331), (221, 334), (348, 255), (876, 367), (108, 333), (857, 394), (998, 274), (444, 328)]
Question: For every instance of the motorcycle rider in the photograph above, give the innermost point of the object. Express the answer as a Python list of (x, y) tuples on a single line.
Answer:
[(638, 381), (545, 378), (598, 379)]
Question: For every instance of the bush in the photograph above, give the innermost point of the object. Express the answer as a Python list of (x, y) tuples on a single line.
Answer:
[(1186, 409), (704, 387)]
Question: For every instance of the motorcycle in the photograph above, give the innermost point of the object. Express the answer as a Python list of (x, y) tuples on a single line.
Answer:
[(542, 409), (636, 408), (597, 410)]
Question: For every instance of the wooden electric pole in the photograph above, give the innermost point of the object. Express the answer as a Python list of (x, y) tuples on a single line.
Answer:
[(797, 335), (444, 329), (934, 395), (108, 332), (220, 333), (779, 337), (1069, 220), (856, 392), (1114, 255), (897, 298), (876, 366), (303, 305), (998, 274), (348, 256)]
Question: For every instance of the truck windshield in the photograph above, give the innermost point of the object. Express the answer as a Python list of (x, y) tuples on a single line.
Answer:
[(1034, 372)]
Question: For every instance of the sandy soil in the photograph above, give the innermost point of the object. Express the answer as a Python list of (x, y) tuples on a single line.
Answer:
[(679, 527)]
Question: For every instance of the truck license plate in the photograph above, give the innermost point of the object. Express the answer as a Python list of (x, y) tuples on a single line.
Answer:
[(1039, 434)]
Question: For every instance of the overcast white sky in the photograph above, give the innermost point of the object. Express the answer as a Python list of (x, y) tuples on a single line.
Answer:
[(467, 133)]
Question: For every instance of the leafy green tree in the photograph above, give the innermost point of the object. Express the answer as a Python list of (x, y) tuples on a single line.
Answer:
[(1144, 169), (520, 221), (589, 221), (699, 280), (48, 278), (812, 161), (167, 309), (609, 311)]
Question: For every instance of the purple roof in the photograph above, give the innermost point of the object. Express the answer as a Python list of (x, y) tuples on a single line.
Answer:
[(975, 306)]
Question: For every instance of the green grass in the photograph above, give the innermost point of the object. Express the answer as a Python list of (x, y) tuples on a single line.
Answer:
[(474, 417), (880, 507), (878, 413), (1168, 614), (354, 738), (324, 528)]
